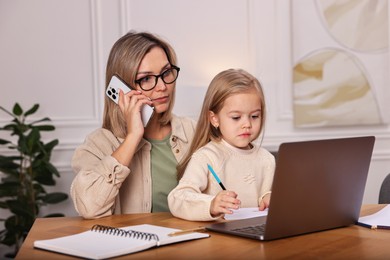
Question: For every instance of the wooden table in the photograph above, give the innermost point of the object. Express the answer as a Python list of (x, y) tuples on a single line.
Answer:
[(352, 242)]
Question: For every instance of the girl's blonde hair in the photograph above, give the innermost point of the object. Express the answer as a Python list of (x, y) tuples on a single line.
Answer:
[(224, 85), (123, 61)]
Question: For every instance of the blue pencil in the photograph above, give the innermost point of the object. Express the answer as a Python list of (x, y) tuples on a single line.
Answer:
[(216, 177)]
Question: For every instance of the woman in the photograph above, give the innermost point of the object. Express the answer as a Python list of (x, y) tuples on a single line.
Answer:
[(123, 167)]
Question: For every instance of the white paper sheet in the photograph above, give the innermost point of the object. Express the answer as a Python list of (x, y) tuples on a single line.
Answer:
[(380, 218), (243, 213)]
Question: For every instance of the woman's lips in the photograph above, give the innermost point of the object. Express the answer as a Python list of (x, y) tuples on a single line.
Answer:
[(160, 99)]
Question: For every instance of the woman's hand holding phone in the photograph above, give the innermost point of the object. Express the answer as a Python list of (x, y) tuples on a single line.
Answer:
[(113, 92)]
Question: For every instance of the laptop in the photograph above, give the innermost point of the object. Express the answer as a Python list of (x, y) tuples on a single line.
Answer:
[(318, 185)]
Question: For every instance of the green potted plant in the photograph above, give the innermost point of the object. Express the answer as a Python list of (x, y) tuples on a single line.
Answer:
[(25, 172)]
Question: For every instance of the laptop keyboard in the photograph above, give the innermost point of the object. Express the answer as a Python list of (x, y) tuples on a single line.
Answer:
[(257, 229)]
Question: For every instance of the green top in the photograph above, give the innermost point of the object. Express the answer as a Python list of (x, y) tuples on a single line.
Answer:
[(164, 179)]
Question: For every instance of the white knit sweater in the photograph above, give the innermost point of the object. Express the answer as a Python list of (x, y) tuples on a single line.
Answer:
[(249, 173)]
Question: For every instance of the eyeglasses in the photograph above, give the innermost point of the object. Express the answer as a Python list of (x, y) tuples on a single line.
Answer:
[(168, 76)]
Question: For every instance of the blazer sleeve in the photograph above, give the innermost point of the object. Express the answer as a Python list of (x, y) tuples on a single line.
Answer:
[(98, 177)]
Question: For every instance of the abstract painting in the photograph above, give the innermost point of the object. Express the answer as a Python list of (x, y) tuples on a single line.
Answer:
[(340, 54)]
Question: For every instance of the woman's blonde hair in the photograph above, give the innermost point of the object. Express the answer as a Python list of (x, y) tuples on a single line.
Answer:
[(224, 85), (123, 61)]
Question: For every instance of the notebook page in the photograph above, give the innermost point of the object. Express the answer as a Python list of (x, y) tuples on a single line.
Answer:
[(95, 245), (162, 233), (380, 218)]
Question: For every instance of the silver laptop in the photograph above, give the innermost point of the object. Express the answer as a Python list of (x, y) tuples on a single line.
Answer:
[(318, 185)]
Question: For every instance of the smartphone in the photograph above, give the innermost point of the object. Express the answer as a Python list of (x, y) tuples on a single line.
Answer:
[(112, 92)]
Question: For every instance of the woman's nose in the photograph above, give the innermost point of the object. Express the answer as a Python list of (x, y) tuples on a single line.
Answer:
[(160, 85)]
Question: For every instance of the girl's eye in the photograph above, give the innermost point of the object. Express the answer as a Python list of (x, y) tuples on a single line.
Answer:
[(255, 116), (235, 117)]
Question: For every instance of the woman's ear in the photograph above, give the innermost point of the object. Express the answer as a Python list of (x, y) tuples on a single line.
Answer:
[(213, 118)]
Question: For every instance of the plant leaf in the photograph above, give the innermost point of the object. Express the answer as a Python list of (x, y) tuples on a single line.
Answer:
[(40, 120), (3, 205), (7, 164), (50, 167), (50, 145), (55, 197), (33, 139), (43, 176), (20, 208), (10, 127), (45, 127), (8, 238), (38, 188), (3, 141), (10, 172), (32, 110), (9, 189), (54, 215), (19, 225), (17, 110)]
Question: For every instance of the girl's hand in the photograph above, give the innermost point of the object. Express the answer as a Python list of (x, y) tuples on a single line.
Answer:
[(223, 202), (131, 104), (264, 203)]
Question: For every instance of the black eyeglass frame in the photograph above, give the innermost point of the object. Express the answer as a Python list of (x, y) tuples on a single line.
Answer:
[(173, 67)]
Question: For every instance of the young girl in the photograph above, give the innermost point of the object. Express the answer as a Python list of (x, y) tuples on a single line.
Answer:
[(232, 117)]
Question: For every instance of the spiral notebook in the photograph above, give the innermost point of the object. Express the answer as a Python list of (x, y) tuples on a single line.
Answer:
[(378, 220), (102, 242)]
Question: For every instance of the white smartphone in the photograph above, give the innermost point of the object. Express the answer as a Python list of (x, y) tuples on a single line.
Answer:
[(112, 92)]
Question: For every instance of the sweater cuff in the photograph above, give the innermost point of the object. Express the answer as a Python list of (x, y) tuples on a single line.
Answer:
[(262, 196), (209, 217)]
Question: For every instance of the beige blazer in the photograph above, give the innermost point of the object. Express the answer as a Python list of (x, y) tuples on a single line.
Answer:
[(102, 186)]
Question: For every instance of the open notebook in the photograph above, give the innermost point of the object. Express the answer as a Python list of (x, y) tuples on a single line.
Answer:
[(103, 242), (378, 220)]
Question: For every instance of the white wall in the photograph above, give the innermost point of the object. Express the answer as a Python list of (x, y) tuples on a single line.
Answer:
[(53, 52)]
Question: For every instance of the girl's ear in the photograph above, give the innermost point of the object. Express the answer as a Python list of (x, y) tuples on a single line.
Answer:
[(213, 118)]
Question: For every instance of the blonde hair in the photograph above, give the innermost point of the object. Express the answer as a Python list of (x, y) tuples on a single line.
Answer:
[(224, 85), (123, 61)]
